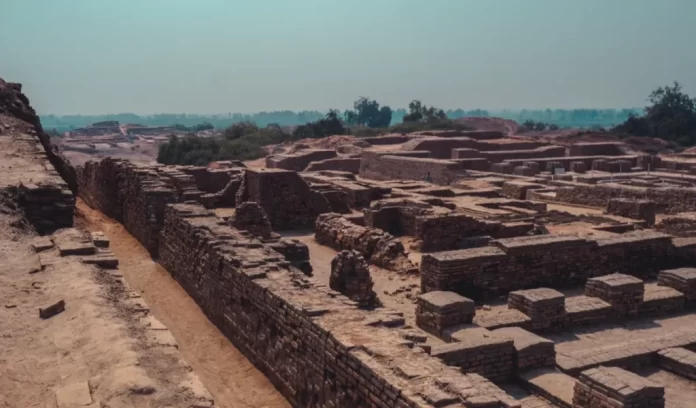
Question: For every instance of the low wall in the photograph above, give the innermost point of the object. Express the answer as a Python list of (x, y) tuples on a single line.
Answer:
[(379, 167), (298, 161), (554, 261), (566, 161), (498, 156), (596, 149), (671, 200), (349, 165)]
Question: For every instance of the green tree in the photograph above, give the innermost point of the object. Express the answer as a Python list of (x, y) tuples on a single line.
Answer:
[(418, 112), (367, 112)]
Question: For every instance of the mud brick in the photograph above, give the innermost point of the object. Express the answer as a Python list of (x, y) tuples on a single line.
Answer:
[(682, 279), (436, 311), (679, 361), (100, 240), (623, 292), (504, 168), (503, 318), (546, 307), (350, 275), (660, 300), (532, 165), (637, 209), (524, 171), (614, 387), (531, 351), (478, 350), (586, 310)]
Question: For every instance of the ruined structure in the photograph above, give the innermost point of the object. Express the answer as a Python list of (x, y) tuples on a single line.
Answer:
[(350, 275)]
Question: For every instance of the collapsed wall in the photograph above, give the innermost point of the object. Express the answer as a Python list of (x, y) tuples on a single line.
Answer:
[(377, 246)]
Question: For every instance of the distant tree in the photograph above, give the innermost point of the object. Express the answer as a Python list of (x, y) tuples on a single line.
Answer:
[(671, 115), (367, 112), (540, 126), (553, 127), (418, 112), (240, 129), (203, 126)]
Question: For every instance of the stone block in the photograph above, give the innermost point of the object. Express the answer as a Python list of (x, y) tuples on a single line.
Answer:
[(438, 310), (681, 279), (546, 307), (614, 387)]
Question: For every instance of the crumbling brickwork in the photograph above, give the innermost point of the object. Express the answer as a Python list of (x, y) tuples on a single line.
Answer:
[(350, 275), (375, 245), (312, 344), (298, 161), (351, 165), (285, 196), (249, 216), (636, 209), (437, 311), (47, 206)]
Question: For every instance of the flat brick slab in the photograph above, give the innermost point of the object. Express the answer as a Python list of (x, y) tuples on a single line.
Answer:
[(659, 300), (503, 318), (679, 361), (585, 310), (550, 384), (614, 387), (682, 279), (73, 395)]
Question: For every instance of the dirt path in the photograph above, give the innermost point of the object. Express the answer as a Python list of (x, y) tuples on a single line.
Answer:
[(232, 380)]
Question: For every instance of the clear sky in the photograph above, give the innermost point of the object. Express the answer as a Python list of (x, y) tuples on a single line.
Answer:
[(218, 56)]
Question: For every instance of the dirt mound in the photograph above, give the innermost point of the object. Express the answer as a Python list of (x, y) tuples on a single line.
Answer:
[(507, 126), (330, 142)]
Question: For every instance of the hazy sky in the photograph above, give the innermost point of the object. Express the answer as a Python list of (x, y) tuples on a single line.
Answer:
[(210, 56)]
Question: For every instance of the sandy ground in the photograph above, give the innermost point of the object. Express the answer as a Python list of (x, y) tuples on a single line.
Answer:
[(98, 351), (232, 380)]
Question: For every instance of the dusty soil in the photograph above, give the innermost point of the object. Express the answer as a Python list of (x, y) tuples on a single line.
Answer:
[(232, 380), (98, 349)]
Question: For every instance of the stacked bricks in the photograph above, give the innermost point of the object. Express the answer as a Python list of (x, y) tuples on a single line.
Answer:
[(531, 351), (518, 189), (437, 311), (636, 209), (660, 300), (313, 344), (614, 387), (375, 245), (249, 216), (546, 307), (679, 361), (47, 206), (132, 194), (623, 292), (682, 279), (478, 350), (285, 196), (350, 275), (586, 310), (555, 261)]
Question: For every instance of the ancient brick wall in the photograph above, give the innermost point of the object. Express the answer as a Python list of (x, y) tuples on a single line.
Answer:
[(378, 167), (670, 199), (298, 161), (377, 246), (312, 344), (540, 152), (636, 209), (134, 196), (285, 196), (351, 165), (47, 207), (565, 162), (554, 261)]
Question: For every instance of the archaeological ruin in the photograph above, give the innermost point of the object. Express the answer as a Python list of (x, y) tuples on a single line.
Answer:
[(438, 269)]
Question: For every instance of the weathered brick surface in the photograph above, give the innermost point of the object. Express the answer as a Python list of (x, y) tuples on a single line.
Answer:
[(392, 167), (351, 165), (298, 161), (436, 311), (315, 345), (679, 361), (47, 206), (596, 149), (616, 388), (554, 261), (682, 279), (285, 196), (375, 245), (249, 216), (546, 307), (350, 275), (478, 350), (578, 167), (670, 199), (518, 189), (531, 351), (133, 195), (637, 209), (623, 292), (661, 300), (586, 310)]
